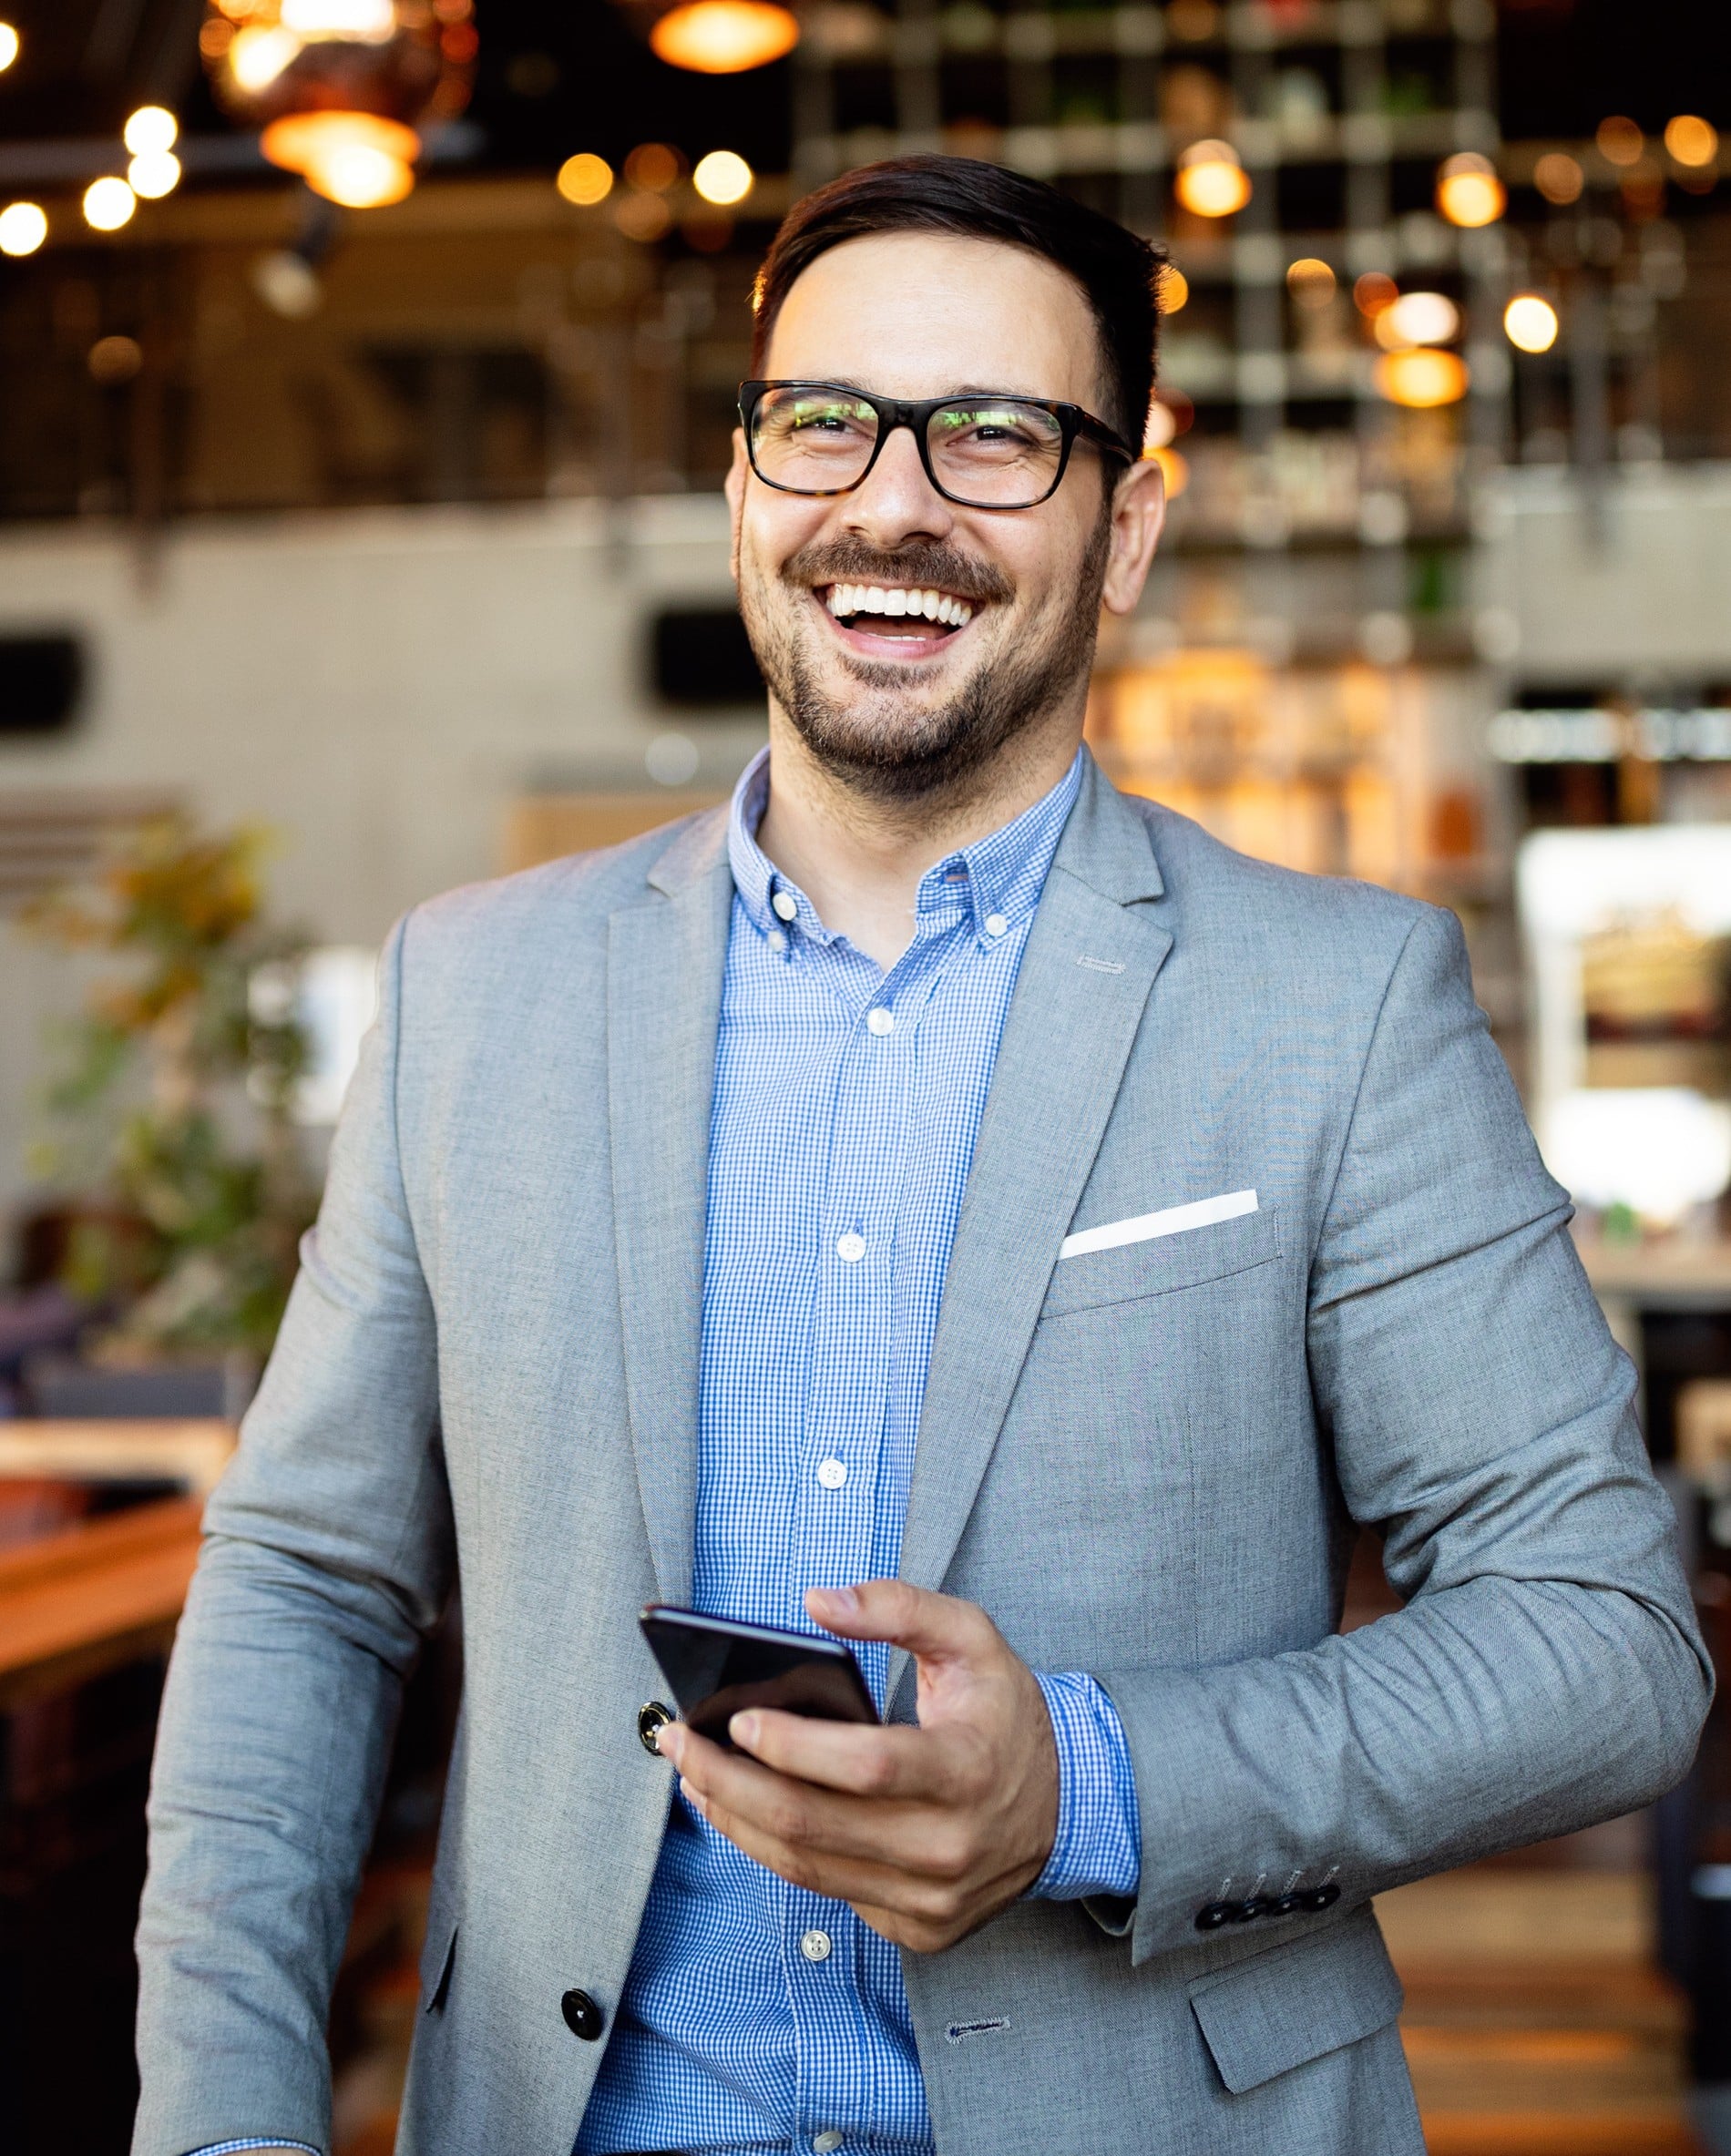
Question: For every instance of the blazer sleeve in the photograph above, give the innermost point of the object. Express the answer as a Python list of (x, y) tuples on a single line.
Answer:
[(327, 1559), (1545, 1672)]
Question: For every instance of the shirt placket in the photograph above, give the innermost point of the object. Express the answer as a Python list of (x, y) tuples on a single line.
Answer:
[(836, 1523)]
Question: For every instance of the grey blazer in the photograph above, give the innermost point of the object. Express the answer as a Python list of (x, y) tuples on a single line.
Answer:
[(1145, 1461)]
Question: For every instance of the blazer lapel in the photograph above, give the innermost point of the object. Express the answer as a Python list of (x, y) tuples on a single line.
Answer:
[(666, 956), (1092, 957)]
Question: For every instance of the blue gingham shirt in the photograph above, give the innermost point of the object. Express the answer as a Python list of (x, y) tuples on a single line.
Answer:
[(757, 2015), (846, 1103)]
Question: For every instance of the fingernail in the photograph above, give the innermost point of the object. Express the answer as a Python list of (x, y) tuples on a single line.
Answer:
[(840, 1598), (743, 1728)]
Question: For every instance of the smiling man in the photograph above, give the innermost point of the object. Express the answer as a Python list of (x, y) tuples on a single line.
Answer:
[(945, 1202)]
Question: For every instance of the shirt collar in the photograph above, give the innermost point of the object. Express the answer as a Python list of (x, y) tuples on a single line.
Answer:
[(996, 881)]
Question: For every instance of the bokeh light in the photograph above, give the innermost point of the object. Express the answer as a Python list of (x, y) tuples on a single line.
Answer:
[(357, 160), (655, 165), (1310, 282), (1421, 379), (1174, 469), (1418, 318), (151, 127), (1530, 322), (1374, 291), (108, 204), (1618, 139), (154, 173), (259, 53), (1468, 193), (1558, 177), (1691, 141), (724, 36), (642, 216), (114, 360), (1172, 290), (24, 226), (8, 47), (1211, 180), (585, 179), (723, 176)]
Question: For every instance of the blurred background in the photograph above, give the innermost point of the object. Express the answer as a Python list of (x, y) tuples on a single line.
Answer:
[(366, 376)]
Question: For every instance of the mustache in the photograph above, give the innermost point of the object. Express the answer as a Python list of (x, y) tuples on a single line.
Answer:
[(930, 565)]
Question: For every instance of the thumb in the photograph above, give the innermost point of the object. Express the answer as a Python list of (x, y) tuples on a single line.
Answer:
[(933, 1627)]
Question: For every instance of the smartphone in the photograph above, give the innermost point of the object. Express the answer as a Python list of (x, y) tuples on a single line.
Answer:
[(717, 1667)]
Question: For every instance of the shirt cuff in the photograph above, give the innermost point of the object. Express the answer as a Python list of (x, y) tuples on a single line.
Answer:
[(1097, 1846), (274, 2142)]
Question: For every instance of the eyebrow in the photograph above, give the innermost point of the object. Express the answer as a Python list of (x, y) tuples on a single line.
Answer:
[(966, 388)]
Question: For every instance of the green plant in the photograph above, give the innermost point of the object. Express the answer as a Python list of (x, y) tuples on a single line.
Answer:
[(171, 1129)]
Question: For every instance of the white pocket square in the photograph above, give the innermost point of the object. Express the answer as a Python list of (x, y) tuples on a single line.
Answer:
[(1174, 1220)]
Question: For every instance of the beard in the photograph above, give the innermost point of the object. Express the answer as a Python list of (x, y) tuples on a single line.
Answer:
[(871, 739)]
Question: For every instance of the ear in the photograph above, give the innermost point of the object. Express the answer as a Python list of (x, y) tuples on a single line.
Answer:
[(1138, 510), (733, 487)]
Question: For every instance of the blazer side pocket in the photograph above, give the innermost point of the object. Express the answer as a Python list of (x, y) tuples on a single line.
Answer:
[(1164, 1263), (1295, 2003), (438, 1957)]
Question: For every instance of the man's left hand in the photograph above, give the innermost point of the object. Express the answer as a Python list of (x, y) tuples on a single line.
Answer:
[(925, 1831)]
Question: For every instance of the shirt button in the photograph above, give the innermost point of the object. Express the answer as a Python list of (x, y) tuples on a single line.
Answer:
[(851, 1249), (814, 1947), (785, 904), (881, 1021), (776, 940), (824, 2143), (832, 1473), (996, 924)]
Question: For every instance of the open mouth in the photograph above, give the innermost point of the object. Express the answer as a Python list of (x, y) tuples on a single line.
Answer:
[(901, 613)]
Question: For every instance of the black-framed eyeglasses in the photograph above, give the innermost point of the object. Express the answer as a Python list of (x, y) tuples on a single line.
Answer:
[(983, 451)]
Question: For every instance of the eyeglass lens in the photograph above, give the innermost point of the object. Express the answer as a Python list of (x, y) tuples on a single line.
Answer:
[(994, 452)]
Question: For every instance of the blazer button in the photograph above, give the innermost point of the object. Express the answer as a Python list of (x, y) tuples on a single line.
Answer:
[(1263, 1905), (1287, 1905), (652, 1716), (1319, 1898), (1245, 1912), (1212, 1917), (582, 2016)]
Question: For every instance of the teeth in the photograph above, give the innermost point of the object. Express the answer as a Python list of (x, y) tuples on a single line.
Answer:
[(847, 599)]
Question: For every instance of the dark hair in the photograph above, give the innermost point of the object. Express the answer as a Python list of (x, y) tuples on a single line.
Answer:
[(1116, 269)]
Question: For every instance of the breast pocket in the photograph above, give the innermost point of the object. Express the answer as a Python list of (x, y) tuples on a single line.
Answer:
[(1164, 1263)]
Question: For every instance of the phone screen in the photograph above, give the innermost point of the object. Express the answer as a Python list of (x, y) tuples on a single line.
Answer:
[(718, 1667)]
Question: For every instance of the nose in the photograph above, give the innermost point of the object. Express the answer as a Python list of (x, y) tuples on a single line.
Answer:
[(896, 502)]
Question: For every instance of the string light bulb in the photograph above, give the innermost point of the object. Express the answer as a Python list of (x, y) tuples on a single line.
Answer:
[(109, 203), (24, 226), (152, 127), (154, 173)]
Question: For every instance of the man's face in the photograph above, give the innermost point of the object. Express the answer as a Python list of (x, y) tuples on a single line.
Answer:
[(906, 705)]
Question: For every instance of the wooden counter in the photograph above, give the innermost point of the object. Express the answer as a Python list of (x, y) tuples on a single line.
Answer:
[(1670, 1274), (92, 1596), (192, 1453)]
